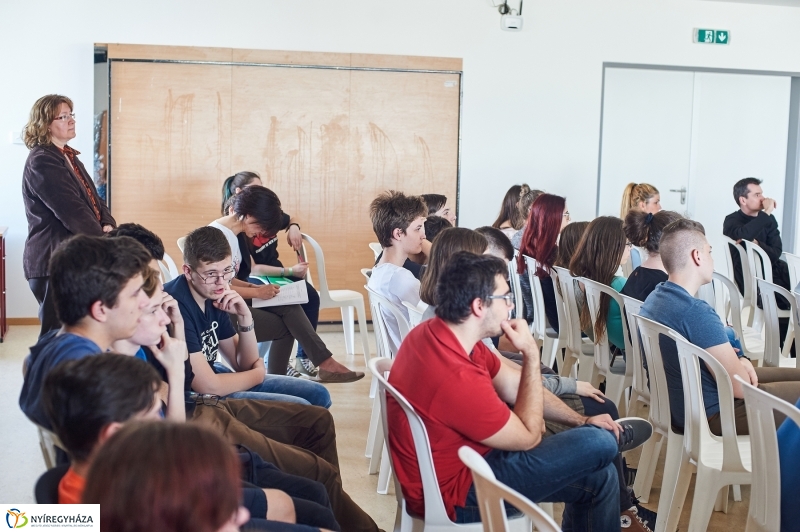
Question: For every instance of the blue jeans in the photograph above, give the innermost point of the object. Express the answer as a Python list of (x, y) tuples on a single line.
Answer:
[(575, 467), (283, 388)]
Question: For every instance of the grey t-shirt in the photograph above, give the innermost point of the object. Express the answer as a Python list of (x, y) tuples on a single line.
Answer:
[(694, 319)]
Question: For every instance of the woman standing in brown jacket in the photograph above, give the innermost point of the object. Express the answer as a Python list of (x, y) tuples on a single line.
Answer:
[(60, 197)]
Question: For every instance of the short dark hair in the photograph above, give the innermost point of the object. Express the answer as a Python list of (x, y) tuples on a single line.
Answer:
[(465, 278), (263, 205), (497, 240), (434, 225), (82, 396), (394, 210), (205, 244), (435, 202), (740, 188), (144, 236), (86, 269)]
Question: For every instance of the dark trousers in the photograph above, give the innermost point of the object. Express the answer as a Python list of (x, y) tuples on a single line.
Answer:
[(40, 286), (783, 383), (300, 440), (311, 310)]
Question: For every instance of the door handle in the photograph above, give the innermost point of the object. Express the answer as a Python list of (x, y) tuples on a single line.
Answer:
[(682, 190)]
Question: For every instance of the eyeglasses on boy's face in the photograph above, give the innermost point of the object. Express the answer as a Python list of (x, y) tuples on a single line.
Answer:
[(214, 277), (208, 399), (508, 297)]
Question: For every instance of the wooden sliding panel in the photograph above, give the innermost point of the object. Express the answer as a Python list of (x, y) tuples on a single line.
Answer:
[(170, 145), (291, 125)]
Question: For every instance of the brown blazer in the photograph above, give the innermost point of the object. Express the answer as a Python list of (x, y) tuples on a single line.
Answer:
[(57, 207)]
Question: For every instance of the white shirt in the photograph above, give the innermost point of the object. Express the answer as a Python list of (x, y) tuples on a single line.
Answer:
[(396, 284), (233, 242)]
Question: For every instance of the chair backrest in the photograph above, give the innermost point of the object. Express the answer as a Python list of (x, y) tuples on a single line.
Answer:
[(173, 268), (696, 431), (540, 324), (181, 242), (602, 354), (435, 514), (378, 304), (560, 305), (772, 336), (794, 268), (732, 247), (415, 313), (761, 269), (48, 441), (367, 273), (324, 292), (650, 331), (634, 356), (492, 493), (572, 321), (764, 514), (516, 288), (46, 489), (728, 300), (376, 249)]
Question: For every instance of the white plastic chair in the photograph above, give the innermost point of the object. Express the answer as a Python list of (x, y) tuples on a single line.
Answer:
[(773, 357), (746, 291), (578, 348), (415, 312), (169, 270), (516, 288), (660, 416), (616, 382), (540, 328), (719, 461), (563, 327), (181, 242), (48, 441), (728, 304), (491, 495), (640, 392), (794, 268), (435, 518), (764, 514), (760, 269), (376, 451), (346, 300), (376, 249)]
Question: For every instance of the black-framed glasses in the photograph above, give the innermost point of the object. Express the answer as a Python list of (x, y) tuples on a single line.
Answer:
[(208, 399), (566, 215), (508, 297), (226, 275), (70, 116)]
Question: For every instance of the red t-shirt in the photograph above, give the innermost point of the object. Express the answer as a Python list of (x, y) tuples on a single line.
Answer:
[(453, 394), (70, 488)]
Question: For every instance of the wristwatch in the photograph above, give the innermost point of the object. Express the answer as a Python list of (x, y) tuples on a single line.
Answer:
[(248, 328)]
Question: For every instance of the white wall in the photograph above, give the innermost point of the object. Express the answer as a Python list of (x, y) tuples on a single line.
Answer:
[(531, 108)]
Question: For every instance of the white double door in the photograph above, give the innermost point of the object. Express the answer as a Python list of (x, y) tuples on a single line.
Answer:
[(692, 135)]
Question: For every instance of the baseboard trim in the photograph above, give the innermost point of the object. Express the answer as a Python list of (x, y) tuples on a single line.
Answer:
[(23, 321)]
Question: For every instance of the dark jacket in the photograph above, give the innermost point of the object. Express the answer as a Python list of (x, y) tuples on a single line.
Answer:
[(57, 207), (764, 228)]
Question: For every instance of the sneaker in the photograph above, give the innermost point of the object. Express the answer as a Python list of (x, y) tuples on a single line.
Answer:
[(305, 367), (635, 431), (331, 377), (291, 372), (648, 517), (630, 521)]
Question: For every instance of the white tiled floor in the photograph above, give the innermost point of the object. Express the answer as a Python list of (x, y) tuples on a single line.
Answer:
[(21, 459)]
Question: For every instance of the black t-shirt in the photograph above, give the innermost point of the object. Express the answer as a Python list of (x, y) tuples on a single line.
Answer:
[(267, 254), (187, 368), (642, 281)]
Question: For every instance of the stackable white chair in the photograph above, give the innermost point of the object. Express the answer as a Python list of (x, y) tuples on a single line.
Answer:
[(169, 270), (760, 269), (564, 327), (616, 382), (773, 357), (516, 288), (415, 312), (578, 349), (435, 518), (376, 249), (747, 291), (718, 461), (794, 268), (48, 441), (181, 242), (492, 494), (728, 304), (764, 514), (376, 449), (346, 300), (640, 392), (540, 328)]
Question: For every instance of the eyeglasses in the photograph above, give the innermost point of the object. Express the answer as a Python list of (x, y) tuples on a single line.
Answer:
[(508, 297), (208, 399), (566, 215), (212, 278), (68, 117)]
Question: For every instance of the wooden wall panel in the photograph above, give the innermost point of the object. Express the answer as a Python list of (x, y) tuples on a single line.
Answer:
[(170, 145)]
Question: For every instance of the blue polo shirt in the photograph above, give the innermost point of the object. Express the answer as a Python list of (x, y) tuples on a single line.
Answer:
[(51, 350), (204, 328), (694, 319)]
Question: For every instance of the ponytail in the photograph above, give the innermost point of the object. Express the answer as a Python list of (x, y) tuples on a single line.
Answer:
[(227, 192), (229, 186)]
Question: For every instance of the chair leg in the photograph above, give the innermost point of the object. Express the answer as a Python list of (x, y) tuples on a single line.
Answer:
[(549, 346), (385, 473), (585, 367), (362, 330), (737, 493), (677, 476), (565, 370), (706, 491), (374, 427), (721, 504), (647, 467), (349, 330), (377, 449)]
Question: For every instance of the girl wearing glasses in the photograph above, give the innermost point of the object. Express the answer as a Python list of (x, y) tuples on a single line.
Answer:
[(59, 195)]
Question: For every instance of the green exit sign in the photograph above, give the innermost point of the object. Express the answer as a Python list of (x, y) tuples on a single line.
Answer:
[(705, 36)]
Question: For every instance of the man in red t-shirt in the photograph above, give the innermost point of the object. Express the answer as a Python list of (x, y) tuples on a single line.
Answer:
[(462, 392)]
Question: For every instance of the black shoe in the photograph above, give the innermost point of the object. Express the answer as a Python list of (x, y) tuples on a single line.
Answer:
[(635, 431), (648, 517)]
